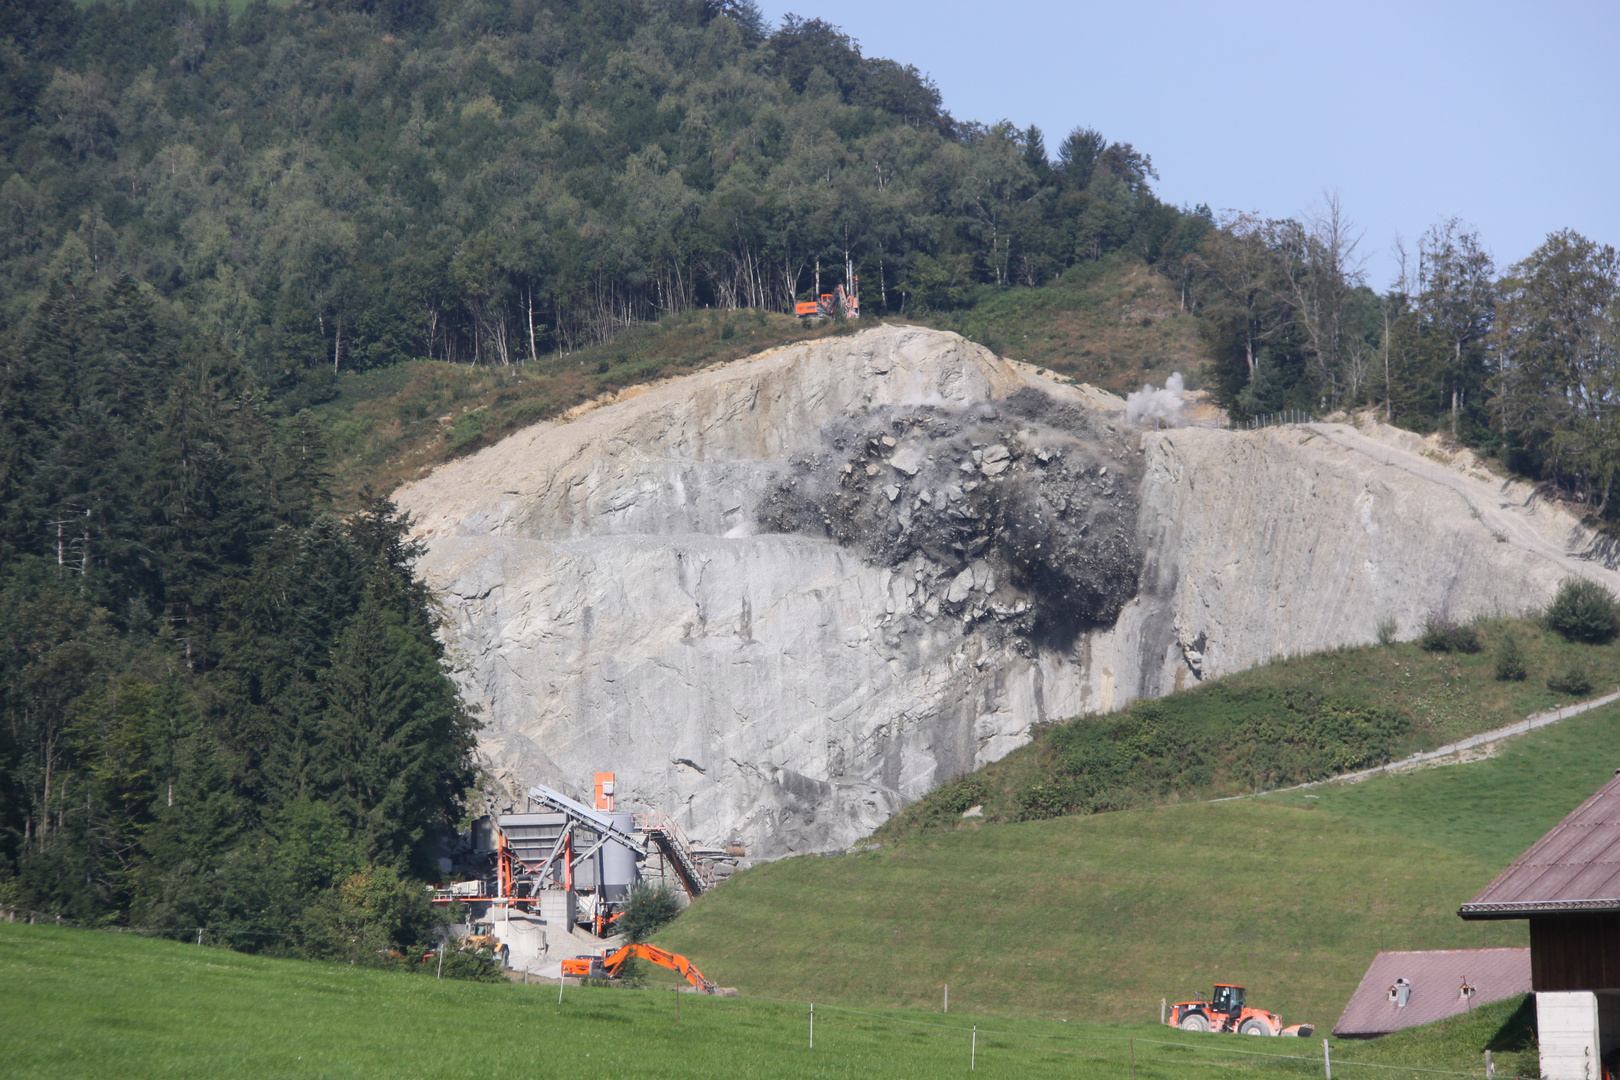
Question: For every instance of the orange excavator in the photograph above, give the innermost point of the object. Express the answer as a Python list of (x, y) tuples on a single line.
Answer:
[(608, 967), (1226, 1011)]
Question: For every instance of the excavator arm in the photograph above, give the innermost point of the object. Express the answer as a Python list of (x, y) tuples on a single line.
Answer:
[(663, 958)]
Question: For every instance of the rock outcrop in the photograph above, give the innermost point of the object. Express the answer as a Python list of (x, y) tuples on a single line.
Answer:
[(782, 597)]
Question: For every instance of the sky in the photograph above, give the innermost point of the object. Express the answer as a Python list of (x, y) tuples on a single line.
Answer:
[(1504, 115)]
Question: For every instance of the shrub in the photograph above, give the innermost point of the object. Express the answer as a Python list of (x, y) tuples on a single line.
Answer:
[(1440, 634), (943, 806), (966, 792), (1387, 630), (1055, 799), (373, 918), (1584, 611), (1577, 680), (459, 964), (649, 909), (1510, 666), (465, 432)]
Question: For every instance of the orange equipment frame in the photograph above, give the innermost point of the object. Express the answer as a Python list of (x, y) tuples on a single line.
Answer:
[(585, 967)]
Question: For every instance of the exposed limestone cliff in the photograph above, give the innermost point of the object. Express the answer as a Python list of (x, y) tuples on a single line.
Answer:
[(970, 548)]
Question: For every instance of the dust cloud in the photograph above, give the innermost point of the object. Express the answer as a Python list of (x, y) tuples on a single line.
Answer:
[(1161, 407)]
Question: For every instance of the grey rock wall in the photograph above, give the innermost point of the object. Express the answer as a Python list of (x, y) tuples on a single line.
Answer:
[(620, 599)]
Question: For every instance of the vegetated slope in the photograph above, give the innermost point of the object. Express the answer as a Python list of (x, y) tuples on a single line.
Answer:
[(390, 425), (1115, 324), (1289, 722), (78, 1003), (1104, 915)]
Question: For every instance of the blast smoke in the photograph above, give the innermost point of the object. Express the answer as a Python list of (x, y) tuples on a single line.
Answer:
[(1163, 407), (1022, 514)]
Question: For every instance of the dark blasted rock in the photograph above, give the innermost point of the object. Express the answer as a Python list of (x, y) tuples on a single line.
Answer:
[(1024, 514)]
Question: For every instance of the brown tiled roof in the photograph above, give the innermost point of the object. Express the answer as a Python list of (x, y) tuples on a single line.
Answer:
[(1575, 867), (1436, 978)]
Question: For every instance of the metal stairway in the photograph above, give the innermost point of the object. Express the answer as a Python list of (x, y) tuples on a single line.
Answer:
[(672, 843)]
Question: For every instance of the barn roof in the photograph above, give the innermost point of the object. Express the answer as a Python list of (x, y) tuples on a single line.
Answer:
[(1574, 868), (1436, 980)]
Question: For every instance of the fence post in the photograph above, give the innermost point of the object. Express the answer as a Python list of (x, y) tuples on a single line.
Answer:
[(1133, 1059), (812, 1025), (199, 935), (947, 997), (973, 1051), (1327, 1062), (1490, 1066), (1162, 1007)]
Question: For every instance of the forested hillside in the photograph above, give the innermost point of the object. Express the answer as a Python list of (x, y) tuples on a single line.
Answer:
[(348, 185), (220, 705), (336, 186)]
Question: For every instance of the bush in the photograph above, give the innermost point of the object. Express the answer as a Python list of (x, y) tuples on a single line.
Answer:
[(943, 806), (1387, 630), (1440, 634), (1576, 681), (1510, 666), (461, 964), (1055, 799), (649, 909), (373, 918), (1584, 611)]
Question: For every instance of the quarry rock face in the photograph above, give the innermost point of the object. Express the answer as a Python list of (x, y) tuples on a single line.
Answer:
[(782, 597)]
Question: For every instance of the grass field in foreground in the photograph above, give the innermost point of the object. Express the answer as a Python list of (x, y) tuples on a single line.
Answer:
[(1104, 915), (77, 1003)]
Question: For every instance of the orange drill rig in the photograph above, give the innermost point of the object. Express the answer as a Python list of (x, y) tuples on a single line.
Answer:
[(1226, 1011)]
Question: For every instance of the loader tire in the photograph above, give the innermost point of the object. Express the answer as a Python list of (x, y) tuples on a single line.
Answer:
[(1194, 1022), (1252, 1026)]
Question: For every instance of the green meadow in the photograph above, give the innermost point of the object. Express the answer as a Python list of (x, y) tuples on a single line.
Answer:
[(80, 1003)]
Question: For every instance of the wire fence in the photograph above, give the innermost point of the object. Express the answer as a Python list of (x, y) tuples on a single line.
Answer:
[(218, 936), (1254, 423), (1122, 1048), (1288, 416), (1128, 1046)]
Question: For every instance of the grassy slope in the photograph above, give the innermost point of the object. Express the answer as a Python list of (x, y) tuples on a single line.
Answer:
[(1114, 324), (1445, 696), (77, 1003), (1104, 915), (388, 426)]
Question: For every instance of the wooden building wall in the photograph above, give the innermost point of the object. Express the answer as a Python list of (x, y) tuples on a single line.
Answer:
[(1575, 952)]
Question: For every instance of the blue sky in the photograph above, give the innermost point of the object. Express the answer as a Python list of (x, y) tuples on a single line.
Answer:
[(1505, 115)]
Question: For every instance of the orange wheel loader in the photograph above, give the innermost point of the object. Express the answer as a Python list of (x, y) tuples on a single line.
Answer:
[(1226, 1011)]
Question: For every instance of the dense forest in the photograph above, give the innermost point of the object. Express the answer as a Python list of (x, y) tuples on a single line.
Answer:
[(224, 708), (340, 186), (1524, 365), (222, 704)]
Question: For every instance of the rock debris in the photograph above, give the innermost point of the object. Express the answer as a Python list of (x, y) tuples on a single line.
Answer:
[(1019, 514)]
